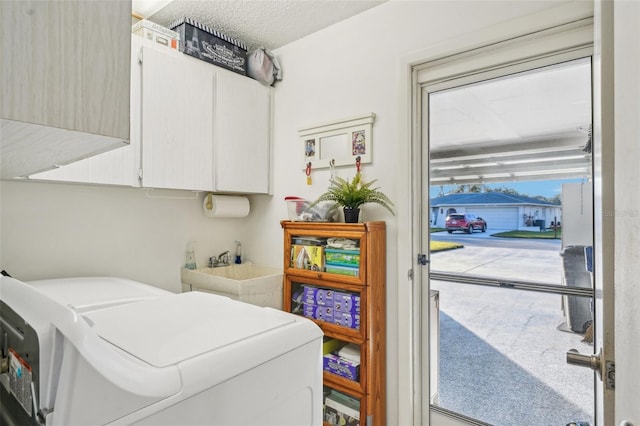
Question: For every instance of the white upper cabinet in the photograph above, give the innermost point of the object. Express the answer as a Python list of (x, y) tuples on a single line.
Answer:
[(195, 126), (242, 134), (65, 81)]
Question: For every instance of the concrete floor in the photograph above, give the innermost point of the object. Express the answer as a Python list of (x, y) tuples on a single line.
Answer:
[(502, 354)]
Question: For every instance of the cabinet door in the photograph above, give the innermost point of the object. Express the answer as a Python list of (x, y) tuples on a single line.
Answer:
[(66, 65), (177, 121), (242, 134), (64, 82)]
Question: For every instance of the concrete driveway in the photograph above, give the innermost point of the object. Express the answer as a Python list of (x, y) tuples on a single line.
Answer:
[(519, 259), (502, 351)]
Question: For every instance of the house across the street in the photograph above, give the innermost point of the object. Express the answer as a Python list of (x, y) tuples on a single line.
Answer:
[(498, 209)]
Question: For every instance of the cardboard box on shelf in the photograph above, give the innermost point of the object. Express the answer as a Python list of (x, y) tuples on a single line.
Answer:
[(342, 270), (155, 32), (346, 319), (341, 366), (322, 313), (346, 302), (330, 344), (318, 296), (342, 257), (351, 352), (337, 413), (307, 257)]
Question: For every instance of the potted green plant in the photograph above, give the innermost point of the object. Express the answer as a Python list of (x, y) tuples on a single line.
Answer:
[(351, 194)]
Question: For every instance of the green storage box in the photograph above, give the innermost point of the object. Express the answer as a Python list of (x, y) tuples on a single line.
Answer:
[(353, 271), (342, 257)]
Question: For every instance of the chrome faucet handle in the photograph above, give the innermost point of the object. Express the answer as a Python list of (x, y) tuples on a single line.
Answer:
[(223, 258)]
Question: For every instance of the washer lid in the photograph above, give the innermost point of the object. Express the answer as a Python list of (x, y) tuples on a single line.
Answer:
[(89, 293), (169, 329)]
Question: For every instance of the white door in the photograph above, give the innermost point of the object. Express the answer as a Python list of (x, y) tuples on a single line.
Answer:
[(442, 416)]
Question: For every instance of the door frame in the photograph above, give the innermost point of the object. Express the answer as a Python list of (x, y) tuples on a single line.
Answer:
[(412, 315)]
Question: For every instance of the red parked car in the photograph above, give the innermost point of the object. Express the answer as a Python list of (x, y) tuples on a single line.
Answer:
[(465, 222)]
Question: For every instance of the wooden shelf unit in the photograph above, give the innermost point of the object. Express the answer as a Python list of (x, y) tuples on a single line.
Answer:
[(370, 285)]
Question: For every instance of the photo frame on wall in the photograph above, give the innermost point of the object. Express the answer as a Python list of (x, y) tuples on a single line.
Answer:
[(339, 142)]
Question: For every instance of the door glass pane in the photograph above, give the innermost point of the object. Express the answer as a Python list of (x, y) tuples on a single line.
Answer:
[(502, 357), (511, 241)]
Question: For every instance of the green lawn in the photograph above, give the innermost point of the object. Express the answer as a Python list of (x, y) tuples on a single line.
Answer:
[(436, 246), (530, 234)]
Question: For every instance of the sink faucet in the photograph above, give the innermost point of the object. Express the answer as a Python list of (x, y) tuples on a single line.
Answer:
[(221, 260)]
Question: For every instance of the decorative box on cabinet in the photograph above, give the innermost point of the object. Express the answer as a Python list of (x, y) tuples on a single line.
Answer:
[(310, 290)]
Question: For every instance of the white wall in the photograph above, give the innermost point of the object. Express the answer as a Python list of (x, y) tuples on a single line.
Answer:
[(59, 230), (351, 68)]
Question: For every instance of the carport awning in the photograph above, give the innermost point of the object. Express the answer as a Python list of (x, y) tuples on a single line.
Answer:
[(557, 158), (534, 125)]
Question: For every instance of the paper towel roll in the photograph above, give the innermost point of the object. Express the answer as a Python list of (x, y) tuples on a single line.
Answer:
[(225, 206)]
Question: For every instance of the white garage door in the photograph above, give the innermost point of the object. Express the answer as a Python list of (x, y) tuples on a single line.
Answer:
[(497, 217)]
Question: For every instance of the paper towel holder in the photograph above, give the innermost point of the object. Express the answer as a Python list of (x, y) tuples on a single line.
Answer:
[(225, 206)]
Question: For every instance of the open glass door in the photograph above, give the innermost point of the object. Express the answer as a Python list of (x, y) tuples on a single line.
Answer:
[(511, 242), (502, 309)]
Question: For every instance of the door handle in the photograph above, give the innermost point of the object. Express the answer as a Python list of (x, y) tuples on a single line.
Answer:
[(593, 362)]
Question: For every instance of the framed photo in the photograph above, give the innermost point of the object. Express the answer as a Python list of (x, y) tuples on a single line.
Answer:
[(339, 142), (358, 143), (309, 149)]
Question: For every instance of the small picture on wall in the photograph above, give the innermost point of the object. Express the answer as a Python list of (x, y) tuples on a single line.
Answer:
[(310, 148), (358, 146)]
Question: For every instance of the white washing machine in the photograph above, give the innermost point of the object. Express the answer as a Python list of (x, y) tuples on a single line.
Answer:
[(87, 351)]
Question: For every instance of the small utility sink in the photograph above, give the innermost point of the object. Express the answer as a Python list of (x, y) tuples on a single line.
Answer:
[(255, 284)]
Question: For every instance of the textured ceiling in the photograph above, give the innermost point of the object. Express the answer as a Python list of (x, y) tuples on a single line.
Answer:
[(258, 23)]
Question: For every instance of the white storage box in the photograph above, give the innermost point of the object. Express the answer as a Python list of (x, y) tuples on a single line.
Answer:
[(158, 33)]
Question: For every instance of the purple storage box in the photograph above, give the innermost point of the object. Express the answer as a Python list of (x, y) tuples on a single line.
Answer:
[(346, 319), (346, 302), (341, 366), (318, 296), (322, 313)]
